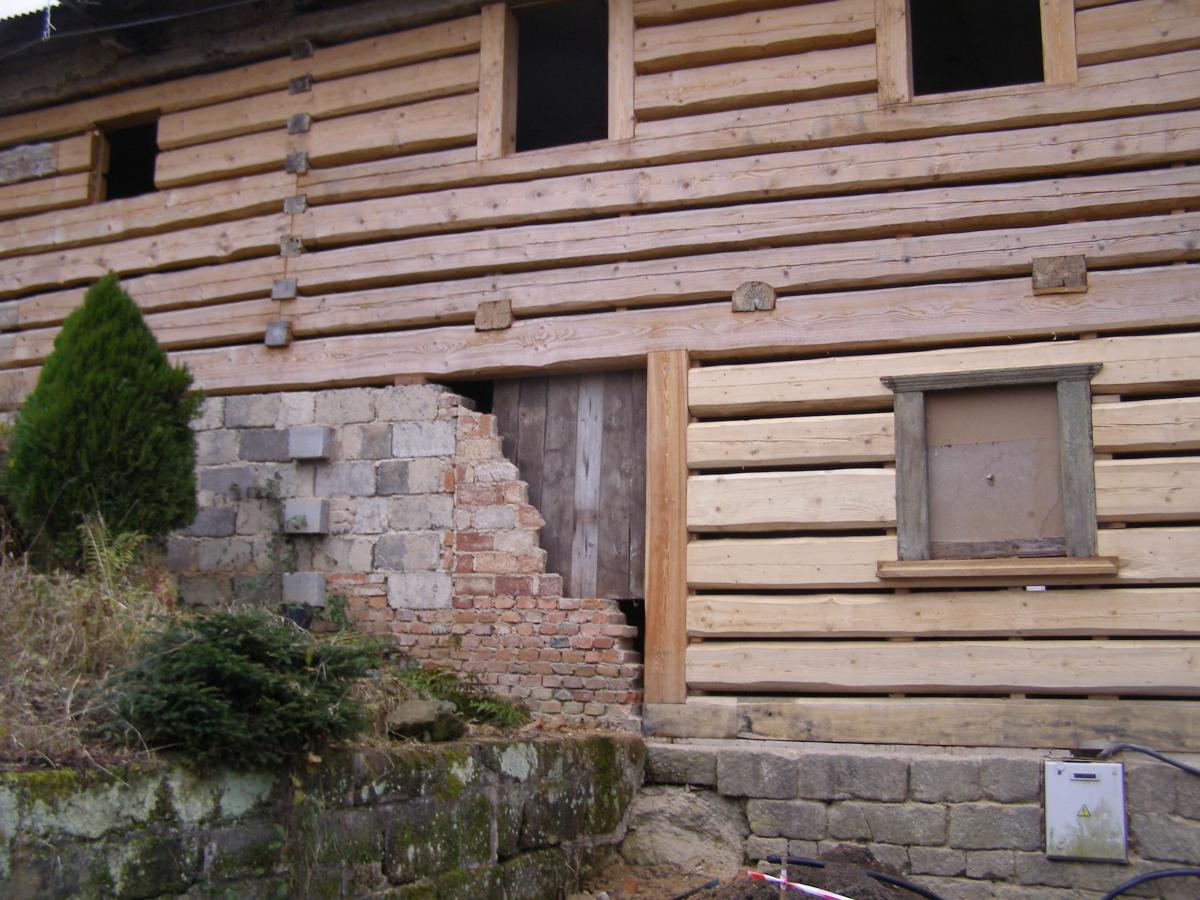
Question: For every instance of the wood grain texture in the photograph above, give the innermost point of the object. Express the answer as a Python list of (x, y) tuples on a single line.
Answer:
[(983, 561), (792, 501), (1075, 465), (1059, 64), (497, 111), (1148, 490), (911, 477), (42, 194), (1138, 28), (589, 446), (622, 118), (810, 440), (666, 531), (893, 58), (1129, 667), (1147, 425)]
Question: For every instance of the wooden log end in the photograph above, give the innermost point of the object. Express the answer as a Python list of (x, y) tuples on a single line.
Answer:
[(283, 289), (278, 333), (1060, 274), (754, 296), (494, 315)]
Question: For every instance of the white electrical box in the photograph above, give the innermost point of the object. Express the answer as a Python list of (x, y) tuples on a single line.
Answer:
[(1085, 810)]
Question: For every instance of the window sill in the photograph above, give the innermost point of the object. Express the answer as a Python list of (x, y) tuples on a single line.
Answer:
[(996, 568)]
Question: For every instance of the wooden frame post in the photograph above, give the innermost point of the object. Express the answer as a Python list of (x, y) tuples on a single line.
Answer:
[(1059, 59), (893, 62), (621, 118), (497, 129), (666, 525)]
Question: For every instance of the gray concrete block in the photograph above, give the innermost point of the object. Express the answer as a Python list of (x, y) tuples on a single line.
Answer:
[(232, 481), (341, 554), (213, 522), (944, 780), (252, 411), (263, 445), (992, 826), (204, 590), (752, 774), (310, 441), (223, 555), (676, 764), (392, 477), (1011, 780), (309, 515), (212, 414), (258, 517), (910, 823), (278, 480), (348, 479), (408, 402), (216, 448), (418, 439), (180, 554), (420, 511), (800, 819), (370, 515), (304, 589), (339, 407), (370, 441), (419, 590), (296, 408), (415, 551)]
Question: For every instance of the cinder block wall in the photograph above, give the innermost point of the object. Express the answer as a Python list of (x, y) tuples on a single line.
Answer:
[(964, 822), (413, 521)]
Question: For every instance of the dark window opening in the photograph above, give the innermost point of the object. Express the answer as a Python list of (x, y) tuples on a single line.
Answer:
[(961, 45), (132, 152), (562, 73)]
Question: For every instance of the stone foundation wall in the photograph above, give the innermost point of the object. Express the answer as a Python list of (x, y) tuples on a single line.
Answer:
[(517, 819), (397, 506), (966, 823)]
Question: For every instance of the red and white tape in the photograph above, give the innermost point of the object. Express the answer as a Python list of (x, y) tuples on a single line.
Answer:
[(797, 886)]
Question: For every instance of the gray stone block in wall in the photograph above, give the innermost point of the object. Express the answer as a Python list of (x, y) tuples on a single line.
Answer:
[(414, 551), (215, 448), (263, 445), (941, 779), (802, 819), (419, 590), (1011, 780), (410, 401), (252, 411), (214, 522), (310, 441), (339, 407), (416, 439), (992, 826), (418, 511), (347, 479), (233, 481), (937, 861), (180, 557), (308, 515), (224, 555), (212, 414), (673, 764), (204, 590), (304, 589), (912, 823), (754, 774), (369, 441)]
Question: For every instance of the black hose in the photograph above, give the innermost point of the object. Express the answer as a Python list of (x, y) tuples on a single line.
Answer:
[(696, 890), (1162, 757), (1149, 876), (878, 876)]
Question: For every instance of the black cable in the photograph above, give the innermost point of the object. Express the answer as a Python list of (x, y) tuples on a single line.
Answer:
[(878, 876), (704, 887), (1148, 876), (1162, 757)]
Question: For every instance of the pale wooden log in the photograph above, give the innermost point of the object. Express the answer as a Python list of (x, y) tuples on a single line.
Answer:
[(853, 382), (53, 192), (1007, 569), (812, 440), (768, 501), (1146, 555), (961, 721), (1148, 490), (412, 45), (497, 111), (1146, 425), (1060, 613), (780, 79), (666, 502), (708, 717), (1052, 667), (751, 35), (658, 12), (1058, 41), (1138, 28), (413, 128), (327, 99), (621, 115), (892, 57)]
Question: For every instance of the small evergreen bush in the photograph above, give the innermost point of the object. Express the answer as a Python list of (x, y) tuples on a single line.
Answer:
[(104, 432), (244, 689)]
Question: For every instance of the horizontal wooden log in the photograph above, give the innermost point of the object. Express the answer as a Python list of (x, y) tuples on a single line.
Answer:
[(327, 99), (752, 35), (413, 45), (1130, 667), (812, 440), (768, 501), (1148, 490), (959, 721), (1146, 556), (31, 161), (657, 12), (853, 382), (1060, 613), (1147, 425), (53, 192), (1138, 28), (415, 128)]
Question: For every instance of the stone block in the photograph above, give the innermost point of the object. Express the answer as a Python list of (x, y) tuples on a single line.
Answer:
[(252, 411), (852, 776), (698, 831), (1009, 780), (995, 865), (214, 522), (304, 589), (419, 439), (212, 414), (347, 479), (296, 408), (676, 764), (419, 511), (204, 590), (257, 517), (937, 861), (336, 554), (310, 441), (263, 445), (757, 849), (391, 477), (232, 481), (306, 516), (1166, 838), (991, 826), (756, 774), (890, 855), (216, 448), (341, 407), (911, 823), (801, 819), (370, 515), (278, 333), (408, 402), (223, 555), (371, 441), (419, 590), (413, 551), (277, 480), (958, 889), (494, 518), (1035, 868), (180, 554), (938, 780)]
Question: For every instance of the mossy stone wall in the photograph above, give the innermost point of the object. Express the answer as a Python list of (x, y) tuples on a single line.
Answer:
[(490, 818)]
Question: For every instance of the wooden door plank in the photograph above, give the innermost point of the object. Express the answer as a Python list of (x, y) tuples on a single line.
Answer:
[(666, 532), (558, 506), (1075, 464), (617, 467), (1059, 64), (637, 518), (531, 438), (506, 406), (589, 446)]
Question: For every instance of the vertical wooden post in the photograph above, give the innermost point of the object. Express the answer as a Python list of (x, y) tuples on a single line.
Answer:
[(620, 70), (497, 129), (1059, 60), (912, 477), (666, 525), (893, 59), (1077, 467)]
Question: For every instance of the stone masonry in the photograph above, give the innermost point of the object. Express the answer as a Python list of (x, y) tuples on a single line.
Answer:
[(397, 504), (965, 823)]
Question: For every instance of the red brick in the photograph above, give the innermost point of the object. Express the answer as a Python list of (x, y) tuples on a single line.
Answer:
[(529, 517), (514, 585), (473, 540), (474, 585)]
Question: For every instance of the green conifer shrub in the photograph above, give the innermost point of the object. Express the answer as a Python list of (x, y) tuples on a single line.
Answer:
[(104, 432)]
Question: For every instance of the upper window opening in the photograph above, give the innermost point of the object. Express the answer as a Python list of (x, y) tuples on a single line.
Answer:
[(132, 152), (562, 73), (960, 45)]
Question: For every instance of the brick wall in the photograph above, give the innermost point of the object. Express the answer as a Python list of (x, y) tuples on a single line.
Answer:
[(966, 823), (398, 503)]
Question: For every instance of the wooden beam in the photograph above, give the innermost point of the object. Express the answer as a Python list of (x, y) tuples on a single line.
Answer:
[(967, 570), (1058, 41), (767, 501), (1129, 667), (621, 116), (1137, 28), (53, 192), (1122, 612), (1148, 490), (710, 717), (497, 126), (1078, 482), (810, 440), (893, 58), (666, 531), (1146, 425)]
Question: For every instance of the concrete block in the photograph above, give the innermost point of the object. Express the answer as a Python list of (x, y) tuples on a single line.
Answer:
[(263, 445), (212, 414), (213, 522), (370, 441), (340, 554), (257, 517), (415, 551), (991, 826), (415, 512), (216, 448), (348, 479), (306, 516), (296, 408), (675, 764), (753, 774), (252, 411), (801, 819), (370, 515), (1009, 780), (282, 480), (232, 481), (419, 590), (945, 780), (204, 590), (223, 555), (937, 861), (304, 589), (340, 407), (912, 823), (310, 441), (417, 439), (408, 402), (180, 554)]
